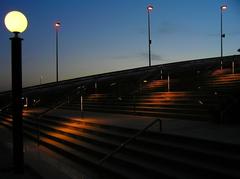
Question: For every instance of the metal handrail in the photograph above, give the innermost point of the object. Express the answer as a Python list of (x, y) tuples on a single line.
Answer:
[(59, 104), (5, 107), (130, 139)]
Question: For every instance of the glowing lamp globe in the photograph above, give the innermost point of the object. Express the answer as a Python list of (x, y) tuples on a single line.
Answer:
[(224, 7), (57, 25), (16, 22), (149, 8)]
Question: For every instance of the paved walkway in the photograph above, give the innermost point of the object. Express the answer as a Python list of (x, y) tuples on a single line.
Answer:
[(6, 164), (41, 159), (40, 162)]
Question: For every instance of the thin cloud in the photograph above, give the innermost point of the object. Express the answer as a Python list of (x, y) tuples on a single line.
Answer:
[(168, 28), (155, 57), (121, 57)]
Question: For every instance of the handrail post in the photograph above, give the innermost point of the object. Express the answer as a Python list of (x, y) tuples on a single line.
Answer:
[(134, 103), (38, 131), (233, 67), (168, 79), (160, 125), (81, 106)]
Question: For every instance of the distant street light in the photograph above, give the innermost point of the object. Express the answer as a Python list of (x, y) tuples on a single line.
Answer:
[(149, 9), (57, 26), (17, 23), (222, 8)]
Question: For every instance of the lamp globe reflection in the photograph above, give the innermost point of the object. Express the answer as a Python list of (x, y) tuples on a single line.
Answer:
[(16, 22)]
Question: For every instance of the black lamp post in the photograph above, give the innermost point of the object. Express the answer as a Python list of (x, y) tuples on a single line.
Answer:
[(222, 8), (57, 26), (149, 9), (17, 23)]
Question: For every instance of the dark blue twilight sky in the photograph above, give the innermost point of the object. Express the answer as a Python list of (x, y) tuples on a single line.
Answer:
[(107, 35)]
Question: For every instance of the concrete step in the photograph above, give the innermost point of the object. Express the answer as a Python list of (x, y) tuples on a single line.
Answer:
[(199, 104), (126, 161), (74, 141), (135, 159), (170, 115), (151, 138)]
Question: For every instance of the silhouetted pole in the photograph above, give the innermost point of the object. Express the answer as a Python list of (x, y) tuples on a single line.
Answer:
[(149, 9), (16, 22), (57, 27), (17, 103), (222, 8)]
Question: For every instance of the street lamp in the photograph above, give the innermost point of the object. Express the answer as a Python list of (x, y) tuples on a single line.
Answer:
[(57, 26), (222, 8), (149, 9), (17, 23)]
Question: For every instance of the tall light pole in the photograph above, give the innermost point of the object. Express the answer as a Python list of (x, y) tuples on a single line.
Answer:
[(149, 9), (17, 23), (222, 8), (57, 26)]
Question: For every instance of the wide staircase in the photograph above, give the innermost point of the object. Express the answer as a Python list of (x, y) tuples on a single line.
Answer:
[(174, 105), (116, 152), (203, 100), (123, 153), (224, 81)]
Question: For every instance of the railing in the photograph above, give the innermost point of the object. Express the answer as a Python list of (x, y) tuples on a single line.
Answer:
[(130, 139), (5, 107), (70, 97), (44, 113)]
